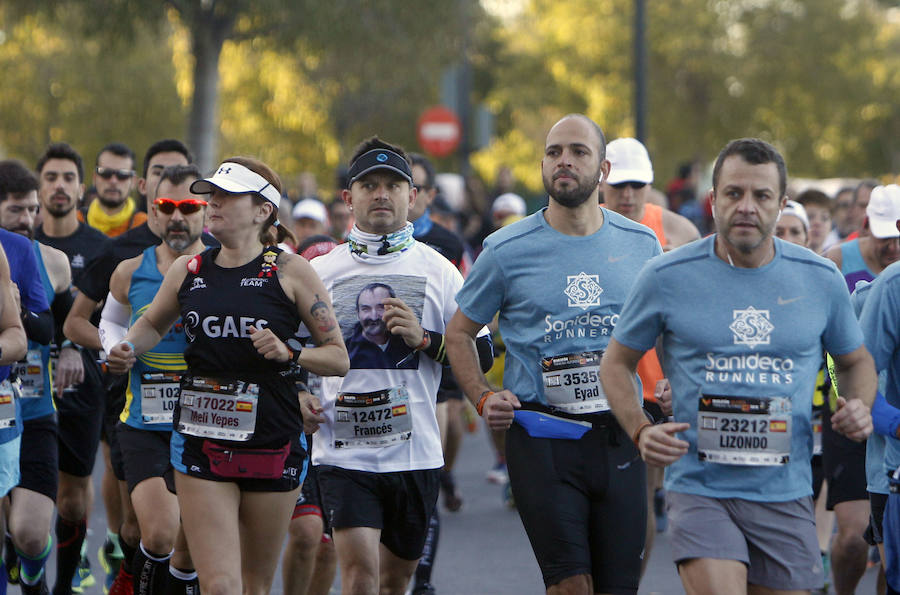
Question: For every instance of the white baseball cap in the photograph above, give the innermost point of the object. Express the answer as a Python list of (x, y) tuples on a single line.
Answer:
[(310, 208), (884, 211), (629, 162), (509, 203), (237, 179), (792, 207)]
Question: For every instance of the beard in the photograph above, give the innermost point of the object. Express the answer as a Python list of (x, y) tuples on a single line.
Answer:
[(111, 202), (572, 197), (748, 245), (179, 243), (57, 210)]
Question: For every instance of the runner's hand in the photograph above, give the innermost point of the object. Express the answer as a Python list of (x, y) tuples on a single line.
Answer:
[(268, 345), (499, 409), (659, 446), (400, 320), (852, 419), (69, 370), (120, 359), (311, 409), (663, 394)]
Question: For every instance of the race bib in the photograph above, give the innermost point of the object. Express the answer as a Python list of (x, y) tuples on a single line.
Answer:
[(8, 393), (572, 382), (159, 396), (225, 410), (370, 420), (744, 430), (30, 372)]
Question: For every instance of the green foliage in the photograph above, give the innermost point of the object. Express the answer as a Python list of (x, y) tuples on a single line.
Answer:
[(301, 82), (63, 85)]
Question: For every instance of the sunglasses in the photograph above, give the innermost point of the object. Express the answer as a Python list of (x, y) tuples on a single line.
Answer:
[(634, 185), (108, 172), (187, 206)]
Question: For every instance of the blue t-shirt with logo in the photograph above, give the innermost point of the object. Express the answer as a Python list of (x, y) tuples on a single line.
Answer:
[(879, 322), (557, 294), (745, 337)]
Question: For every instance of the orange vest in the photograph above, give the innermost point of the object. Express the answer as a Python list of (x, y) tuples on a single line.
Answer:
[(648, 368)]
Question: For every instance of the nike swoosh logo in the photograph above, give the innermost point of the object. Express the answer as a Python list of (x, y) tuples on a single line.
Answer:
[(784, 302), (615, 258)]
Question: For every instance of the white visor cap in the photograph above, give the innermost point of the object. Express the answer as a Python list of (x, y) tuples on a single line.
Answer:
[(237, 179)]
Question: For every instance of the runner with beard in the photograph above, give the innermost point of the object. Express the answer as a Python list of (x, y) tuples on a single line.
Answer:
[(60, 173), (559, 279), (47, 272), (145, 427), (113, 211)]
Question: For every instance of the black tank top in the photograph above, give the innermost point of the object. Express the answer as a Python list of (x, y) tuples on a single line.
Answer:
[(218, 307)]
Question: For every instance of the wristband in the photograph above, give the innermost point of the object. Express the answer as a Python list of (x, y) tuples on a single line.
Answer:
[(426, 342), (294, 356), (129, 343), (480, 406), (68, 343), (637, 433)]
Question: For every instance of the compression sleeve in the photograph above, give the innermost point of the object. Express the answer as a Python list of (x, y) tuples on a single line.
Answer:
[(38, 326), (113, 322)]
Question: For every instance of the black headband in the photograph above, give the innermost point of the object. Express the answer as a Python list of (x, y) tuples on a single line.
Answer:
[(379, 159)]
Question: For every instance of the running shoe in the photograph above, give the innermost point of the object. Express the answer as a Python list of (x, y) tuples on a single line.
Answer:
[(826, 564), (508, 499), (11, 561), (109, 562), (37, 589), (498, 474), (123, 585), (83, 578), (452, 497)]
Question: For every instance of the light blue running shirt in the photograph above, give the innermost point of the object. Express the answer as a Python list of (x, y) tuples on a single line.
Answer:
[(740, 343), (156, 371), (557, 295), (876, 479), (879, 322)]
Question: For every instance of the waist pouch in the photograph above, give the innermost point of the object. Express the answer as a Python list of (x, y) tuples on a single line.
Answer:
[(248, 463)]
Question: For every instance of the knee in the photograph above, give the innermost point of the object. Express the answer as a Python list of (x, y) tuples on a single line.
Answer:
[(304, 534), (30, 540), (157, 539), (580, 584), (359, 581), (71, 501), (220, 585), (131, 533), (72, 507)]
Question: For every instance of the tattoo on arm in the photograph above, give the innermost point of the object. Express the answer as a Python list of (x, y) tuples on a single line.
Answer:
[(323, 315)]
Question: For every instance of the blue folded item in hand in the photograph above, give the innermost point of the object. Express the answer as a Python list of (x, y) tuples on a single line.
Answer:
[(543, 425)]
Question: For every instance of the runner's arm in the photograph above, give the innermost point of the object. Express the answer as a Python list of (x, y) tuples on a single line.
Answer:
[(329, 356), (617, 369), (78, 327), (498, 408), (657, 444)]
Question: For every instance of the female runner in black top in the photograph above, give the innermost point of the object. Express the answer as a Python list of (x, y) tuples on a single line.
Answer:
[(238, 450)]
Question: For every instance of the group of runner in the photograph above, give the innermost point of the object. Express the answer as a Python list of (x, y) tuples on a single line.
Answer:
[(233, 351)]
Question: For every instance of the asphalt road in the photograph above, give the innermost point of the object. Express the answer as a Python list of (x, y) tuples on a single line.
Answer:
[(483, 549)]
